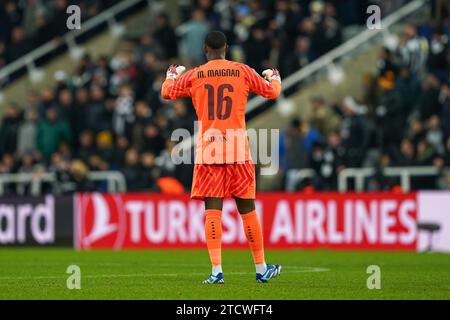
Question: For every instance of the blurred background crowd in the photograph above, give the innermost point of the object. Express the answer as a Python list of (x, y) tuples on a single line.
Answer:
[(27, 24), (404, 120), (108, 114)]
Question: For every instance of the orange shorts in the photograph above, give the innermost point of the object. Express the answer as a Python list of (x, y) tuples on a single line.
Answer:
[(224, 180)]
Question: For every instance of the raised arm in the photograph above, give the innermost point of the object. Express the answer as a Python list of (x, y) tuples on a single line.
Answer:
[(177, 85), (269, 88)]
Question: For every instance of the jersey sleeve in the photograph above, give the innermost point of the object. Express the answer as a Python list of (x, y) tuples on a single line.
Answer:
[(177, 88), (258, 85)]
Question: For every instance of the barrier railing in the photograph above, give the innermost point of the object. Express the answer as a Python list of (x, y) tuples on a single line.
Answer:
[(114, 179), (35, 180), (359, 174), (404, 173), (295, 176)]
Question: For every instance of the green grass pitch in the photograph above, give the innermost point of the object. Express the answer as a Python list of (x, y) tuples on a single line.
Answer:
[(177, 274)]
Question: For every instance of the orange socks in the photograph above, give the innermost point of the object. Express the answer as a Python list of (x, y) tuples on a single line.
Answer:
[(253, 232), (213, 236), (254, 235)]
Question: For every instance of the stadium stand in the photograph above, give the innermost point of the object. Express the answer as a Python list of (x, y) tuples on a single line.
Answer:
[(108, 115), (401, 122), (27, 24)]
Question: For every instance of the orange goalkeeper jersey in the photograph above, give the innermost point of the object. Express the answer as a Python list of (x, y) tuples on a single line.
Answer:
[(219, 90)]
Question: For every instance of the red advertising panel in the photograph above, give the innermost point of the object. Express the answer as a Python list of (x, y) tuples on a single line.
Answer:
[(339, 221)]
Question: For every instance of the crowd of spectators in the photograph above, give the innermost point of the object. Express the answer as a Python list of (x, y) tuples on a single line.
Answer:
[(27, 24), (108, 114), (285, 33), (404, 119)]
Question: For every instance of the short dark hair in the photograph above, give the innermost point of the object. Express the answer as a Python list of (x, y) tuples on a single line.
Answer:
[(296, 122), (216, 40)]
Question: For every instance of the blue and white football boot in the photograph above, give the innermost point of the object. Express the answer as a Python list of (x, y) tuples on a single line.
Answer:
[(214, 279), (273, 270)]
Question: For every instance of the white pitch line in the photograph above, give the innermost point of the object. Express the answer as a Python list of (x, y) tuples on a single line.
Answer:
[(135, 275)]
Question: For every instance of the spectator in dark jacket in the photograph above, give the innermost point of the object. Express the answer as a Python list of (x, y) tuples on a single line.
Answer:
[(79, 111), (58, 23), (389, 112), (257, 49), (66, 109), (293, 153), (95, 108), (9, 128), (19, 46), (445, 111), (149, 172), (153, 140), (86, 146), (182, 118), (47, 101), (408, 88), (43, 32), (334, 160), (165, 35), (146, 75), (385, 62), (428, 102), (142, 119), (439, 46), (327, 160), (132, 170), (426, 154), (354, 132), (407, 156), (447, 153), (299, 57)]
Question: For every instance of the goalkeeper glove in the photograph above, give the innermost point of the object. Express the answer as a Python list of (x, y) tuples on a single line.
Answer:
[(175, 71), (272, 74)]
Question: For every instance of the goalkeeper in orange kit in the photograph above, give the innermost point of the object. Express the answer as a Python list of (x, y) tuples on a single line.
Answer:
[(223, 165)]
